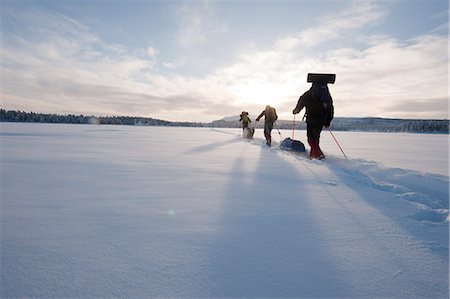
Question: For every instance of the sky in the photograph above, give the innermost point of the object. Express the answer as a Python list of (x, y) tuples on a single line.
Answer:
[(204, 60)]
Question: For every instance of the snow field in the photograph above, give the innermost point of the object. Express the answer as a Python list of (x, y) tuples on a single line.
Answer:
[(111, 211)]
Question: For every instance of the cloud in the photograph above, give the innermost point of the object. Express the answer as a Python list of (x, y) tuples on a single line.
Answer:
[(390, 71), (196, 21), (369, 79), (74, 71), (426, 108), (358, 14), (62, 67), (152, 52), (45, 77)]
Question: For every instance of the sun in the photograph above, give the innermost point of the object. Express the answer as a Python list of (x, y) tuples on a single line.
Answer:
[(254, 93)]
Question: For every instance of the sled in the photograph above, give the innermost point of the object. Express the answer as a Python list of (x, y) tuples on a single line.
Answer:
[(289, 144), (321, 78)]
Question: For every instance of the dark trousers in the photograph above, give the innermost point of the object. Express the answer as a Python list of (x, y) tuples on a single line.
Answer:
[(268, 126), (313, 131)]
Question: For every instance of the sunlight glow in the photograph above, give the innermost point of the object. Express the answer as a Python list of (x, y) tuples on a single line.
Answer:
[(259, 93)]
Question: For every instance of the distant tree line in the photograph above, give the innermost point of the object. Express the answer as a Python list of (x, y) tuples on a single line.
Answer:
[(31, 117), (374, 124), (367, 124)]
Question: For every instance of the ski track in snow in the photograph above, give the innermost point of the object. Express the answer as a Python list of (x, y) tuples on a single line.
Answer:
[(428, 191), (106, 211)]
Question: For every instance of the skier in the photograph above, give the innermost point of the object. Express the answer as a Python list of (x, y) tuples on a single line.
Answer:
[(244, 119), (246, 131), (270, 117), (319, 113)]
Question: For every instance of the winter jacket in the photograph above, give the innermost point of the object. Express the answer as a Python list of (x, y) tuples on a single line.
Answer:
[(315, 113), (270, 115), (245, 119)]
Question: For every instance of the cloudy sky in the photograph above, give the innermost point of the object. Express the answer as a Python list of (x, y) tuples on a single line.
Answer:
[(203, 60)]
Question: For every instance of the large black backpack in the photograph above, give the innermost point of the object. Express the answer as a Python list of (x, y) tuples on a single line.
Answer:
[(321, 97)]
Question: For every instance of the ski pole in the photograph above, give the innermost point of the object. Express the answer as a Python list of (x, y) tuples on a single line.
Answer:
[(281, 136), (293, 128), (337, 143)]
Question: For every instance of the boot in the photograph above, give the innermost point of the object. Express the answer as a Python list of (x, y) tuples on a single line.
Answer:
[(321, 155), (315, 150)]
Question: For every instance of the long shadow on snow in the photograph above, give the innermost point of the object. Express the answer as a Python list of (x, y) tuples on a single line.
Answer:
[(374, 240), (212, 146), (269, 244), (423, 235)]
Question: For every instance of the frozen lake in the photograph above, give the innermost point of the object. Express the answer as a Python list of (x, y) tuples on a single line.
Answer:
[(427, 153), (131, 212)]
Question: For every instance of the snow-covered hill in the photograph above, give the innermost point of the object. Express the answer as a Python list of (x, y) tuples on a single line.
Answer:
[(132, 212)]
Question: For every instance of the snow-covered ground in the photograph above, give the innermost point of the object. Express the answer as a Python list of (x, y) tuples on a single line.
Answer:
[(130, 212)]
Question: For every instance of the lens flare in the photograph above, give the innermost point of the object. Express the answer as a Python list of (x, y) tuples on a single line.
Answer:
[(171, 213)]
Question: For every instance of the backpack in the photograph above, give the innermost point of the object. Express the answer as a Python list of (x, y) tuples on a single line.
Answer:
[(321, 97), (292, 145), (271, 114)]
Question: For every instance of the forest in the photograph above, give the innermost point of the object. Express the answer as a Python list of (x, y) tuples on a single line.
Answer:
[(366, 124)]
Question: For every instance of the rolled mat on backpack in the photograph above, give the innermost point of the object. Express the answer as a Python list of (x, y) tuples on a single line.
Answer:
[(321, 78)]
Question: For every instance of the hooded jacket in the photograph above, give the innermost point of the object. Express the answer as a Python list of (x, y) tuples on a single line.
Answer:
[(245, 119), (315, 115)]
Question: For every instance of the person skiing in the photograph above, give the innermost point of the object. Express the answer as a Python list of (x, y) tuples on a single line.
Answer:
[(319, 113), (246, 131), (270, 117), (244, 119)]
